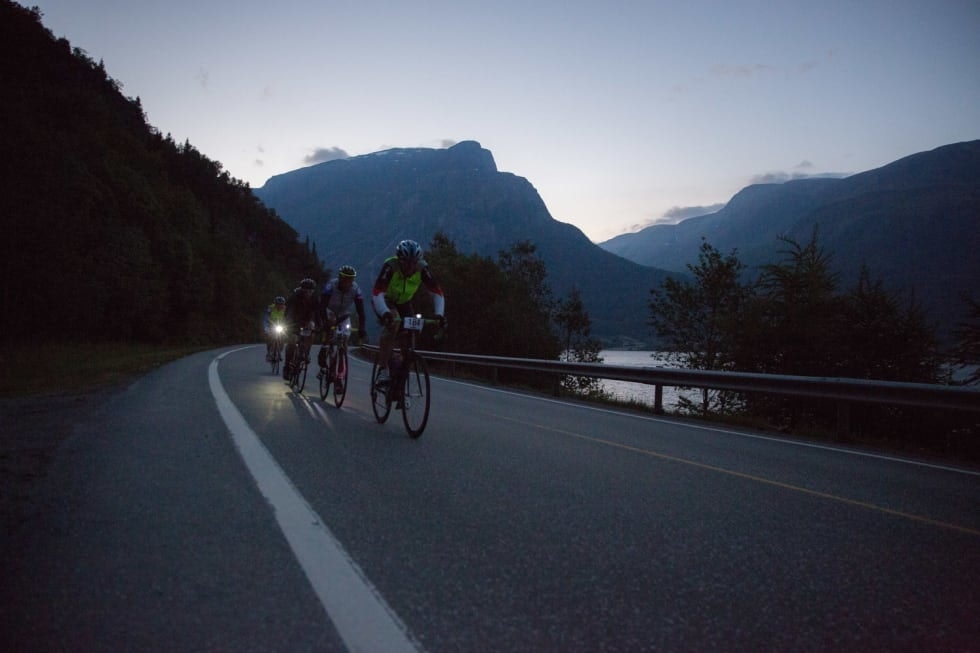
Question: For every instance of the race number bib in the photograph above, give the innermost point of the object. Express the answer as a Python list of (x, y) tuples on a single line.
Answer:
[(412, 323)]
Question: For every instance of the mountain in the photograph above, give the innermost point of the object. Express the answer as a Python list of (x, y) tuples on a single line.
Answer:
[(915, 223), (356, 210)]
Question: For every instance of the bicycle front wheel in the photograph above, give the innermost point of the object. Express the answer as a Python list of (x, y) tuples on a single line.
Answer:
[(276, 355), (340, 384), (324, 383), (380, 391), (301, 375), (415, 397)]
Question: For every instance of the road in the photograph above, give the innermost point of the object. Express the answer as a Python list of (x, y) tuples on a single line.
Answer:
[(207, 507)]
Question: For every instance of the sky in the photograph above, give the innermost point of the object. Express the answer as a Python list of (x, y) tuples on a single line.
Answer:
[(620, 113)]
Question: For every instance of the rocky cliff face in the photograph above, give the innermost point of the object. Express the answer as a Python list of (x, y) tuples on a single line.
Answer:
[(356, 210)]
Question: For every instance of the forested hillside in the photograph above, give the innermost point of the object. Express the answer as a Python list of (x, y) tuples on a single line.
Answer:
[(112, 231)]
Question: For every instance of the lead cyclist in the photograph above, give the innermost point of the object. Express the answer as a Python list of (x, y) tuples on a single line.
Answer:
[(399, 280)]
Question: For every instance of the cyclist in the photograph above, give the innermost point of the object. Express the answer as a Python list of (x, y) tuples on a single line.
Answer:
[(302, 309), (336, 299), (275, 313), (400, 278)]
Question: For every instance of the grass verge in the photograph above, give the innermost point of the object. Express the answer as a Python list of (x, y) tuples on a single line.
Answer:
[(65, 368)]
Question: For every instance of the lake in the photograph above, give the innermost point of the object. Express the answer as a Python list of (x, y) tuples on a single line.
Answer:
[(639, 392)]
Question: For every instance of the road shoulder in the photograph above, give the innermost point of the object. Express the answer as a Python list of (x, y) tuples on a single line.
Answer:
[(33, 430)]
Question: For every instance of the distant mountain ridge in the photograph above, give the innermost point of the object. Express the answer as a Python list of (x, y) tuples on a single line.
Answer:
[(915, 223), (357, 209)]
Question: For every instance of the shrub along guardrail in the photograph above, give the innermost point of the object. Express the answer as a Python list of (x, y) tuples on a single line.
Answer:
[(842, 390)]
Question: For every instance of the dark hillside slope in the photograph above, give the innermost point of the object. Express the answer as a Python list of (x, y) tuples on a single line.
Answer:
[(112, 231)]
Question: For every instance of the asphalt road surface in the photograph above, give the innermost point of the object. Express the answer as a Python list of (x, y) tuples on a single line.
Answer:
[(207, 507)]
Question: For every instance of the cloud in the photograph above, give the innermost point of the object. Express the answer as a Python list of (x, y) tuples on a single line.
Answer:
[(742, 70), (781, 177), (771, 178), (754, 70), (323, 154), (447, 143), (677, 215), (681, 213)]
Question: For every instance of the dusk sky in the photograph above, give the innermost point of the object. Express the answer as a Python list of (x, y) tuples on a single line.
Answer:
[(620, 113)]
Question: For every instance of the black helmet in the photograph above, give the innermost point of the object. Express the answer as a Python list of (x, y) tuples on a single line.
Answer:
[(347, 271), (409, 251), (280, 299), (307, 284)]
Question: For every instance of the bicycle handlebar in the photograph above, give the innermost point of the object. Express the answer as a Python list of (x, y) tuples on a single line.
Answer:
[(427, 320)]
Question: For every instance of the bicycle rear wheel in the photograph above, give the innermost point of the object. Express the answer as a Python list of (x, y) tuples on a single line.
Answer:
[(380, 401), (340, 385), (324, 383), (415, 396)]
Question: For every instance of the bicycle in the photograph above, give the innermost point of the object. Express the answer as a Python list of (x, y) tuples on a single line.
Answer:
[(301, 360), (410, 391), (335, 372), (275, 355)]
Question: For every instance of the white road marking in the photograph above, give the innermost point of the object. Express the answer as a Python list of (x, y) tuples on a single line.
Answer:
[(359, 612)]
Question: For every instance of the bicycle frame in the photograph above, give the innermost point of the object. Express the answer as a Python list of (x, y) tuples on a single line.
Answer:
[(335, 371), (410, 386)]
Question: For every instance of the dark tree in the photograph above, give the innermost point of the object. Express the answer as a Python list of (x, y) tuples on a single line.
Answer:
[(699, 319), (491, 309), (574, 328), (967, 351), (877, 336), (113, 232)]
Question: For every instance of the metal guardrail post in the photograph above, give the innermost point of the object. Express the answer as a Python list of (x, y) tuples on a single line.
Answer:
[(658, 399)]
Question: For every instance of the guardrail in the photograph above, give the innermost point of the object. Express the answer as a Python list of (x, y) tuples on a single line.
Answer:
[(843, 390)]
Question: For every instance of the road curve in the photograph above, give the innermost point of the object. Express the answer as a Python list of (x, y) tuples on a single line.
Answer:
[(514, 523)]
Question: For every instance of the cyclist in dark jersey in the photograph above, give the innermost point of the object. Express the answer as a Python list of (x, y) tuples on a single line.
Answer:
[(302, 310)]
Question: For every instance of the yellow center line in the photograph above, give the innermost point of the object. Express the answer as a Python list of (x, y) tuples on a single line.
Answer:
[(751, 477)]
